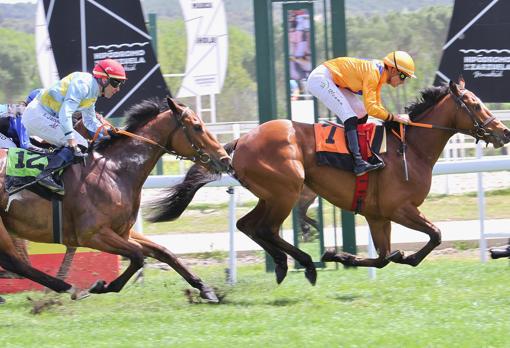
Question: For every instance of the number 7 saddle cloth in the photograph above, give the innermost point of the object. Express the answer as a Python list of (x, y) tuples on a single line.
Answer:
[(331, 147)]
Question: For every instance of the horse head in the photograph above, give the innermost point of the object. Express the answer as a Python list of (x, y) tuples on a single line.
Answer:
[(200, 143), (477, 119)]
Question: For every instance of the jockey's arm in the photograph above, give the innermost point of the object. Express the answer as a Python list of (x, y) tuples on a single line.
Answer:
[(90, 120), (370, 99)]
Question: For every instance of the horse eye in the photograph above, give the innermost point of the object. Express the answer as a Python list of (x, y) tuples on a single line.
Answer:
[(198, 128)]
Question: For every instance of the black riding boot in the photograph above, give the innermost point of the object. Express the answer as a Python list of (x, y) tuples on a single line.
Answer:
[(360, 165), (46, 179)]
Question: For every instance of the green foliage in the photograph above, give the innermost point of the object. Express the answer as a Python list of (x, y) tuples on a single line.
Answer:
[(421, 33), (18, 69)]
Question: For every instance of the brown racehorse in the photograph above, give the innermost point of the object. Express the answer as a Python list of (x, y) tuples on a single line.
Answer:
[(277, 158), (102, 198)]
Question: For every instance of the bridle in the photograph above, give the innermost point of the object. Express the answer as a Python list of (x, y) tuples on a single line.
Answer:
[(203, 157), (479, 132)]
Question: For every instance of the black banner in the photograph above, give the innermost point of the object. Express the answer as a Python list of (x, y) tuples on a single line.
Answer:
[(478, 48), (111, 29)]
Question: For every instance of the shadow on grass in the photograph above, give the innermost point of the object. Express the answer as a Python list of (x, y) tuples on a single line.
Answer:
[(274, 303), (346, 297)]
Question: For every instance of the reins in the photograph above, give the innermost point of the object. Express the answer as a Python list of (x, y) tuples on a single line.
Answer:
[(202, 156), (478, 132)]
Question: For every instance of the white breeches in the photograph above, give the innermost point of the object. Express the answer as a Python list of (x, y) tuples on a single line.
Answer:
[(340, 101), (41, 124)]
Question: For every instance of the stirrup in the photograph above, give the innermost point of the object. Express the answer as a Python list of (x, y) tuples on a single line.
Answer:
[(368, 167), (51, 185)]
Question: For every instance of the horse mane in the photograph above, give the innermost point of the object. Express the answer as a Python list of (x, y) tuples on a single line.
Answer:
[(429, 97), (136, 117)]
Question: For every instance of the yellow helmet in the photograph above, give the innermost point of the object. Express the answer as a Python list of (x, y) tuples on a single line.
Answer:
[(402, 61)]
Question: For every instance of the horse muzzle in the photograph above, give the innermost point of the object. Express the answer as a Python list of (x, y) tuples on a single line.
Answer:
[(507, 136), (223, 165)]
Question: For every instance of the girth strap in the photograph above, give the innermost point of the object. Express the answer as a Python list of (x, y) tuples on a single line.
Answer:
[(56, 203)]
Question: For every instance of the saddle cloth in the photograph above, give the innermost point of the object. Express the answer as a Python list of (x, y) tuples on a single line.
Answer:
[(22, 168), (331, 147)]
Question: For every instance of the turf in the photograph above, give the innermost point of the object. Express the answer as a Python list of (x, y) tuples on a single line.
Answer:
[(445, 302)]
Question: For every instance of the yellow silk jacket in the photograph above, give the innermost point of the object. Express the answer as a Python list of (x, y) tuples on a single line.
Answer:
[(364, 77)]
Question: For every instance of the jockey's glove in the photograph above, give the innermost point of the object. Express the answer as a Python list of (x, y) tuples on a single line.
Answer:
[(400, 118), (79, 156)]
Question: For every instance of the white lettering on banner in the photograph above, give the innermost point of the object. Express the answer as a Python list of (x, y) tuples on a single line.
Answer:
[(128, 58), (485, 62)]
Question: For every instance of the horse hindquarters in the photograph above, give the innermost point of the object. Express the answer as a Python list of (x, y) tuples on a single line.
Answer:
[(10, 261)]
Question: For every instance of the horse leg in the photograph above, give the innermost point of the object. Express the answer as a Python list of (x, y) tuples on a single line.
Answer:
[(409, 216), (66, 263), (268, 229), (380, 229), (11, 261), (108, 241), (162, 254), (248, 225), (21, 248)]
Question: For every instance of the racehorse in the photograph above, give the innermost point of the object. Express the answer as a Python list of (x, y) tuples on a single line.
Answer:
[(103, 196), (277, 158)]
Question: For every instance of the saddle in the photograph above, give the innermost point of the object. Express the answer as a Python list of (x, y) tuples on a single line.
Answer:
[(331, 147), (331, 150)]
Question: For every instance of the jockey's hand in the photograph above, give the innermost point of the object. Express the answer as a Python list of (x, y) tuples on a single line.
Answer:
[(401, 118), (79, 156), (112, 132)]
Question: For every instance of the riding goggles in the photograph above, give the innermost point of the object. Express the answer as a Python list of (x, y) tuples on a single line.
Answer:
[(116, 83)]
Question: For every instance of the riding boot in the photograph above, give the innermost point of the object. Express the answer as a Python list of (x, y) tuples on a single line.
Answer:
[(360, 165), (46, 178)]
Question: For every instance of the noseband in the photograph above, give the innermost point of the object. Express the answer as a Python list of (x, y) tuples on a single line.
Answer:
[(478, 132)]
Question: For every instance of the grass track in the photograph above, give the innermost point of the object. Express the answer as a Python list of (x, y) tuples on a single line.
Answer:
[(445, 302)]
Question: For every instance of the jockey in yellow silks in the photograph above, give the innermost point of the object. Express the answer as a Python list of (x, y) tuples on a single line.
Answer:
[(338, 82), (49, 115)]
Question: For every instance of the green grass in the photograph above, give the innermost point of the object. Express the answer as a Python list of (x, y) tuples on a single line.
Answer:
[(444, 302), (214, 217)]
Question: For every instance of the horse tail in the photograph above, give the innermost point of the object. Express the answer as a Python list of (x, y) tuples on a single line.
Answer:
[(174, 200)]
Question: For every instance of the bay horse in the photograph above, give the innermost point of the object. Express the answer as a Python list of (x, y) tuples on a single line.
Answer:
[(277, 158), (102, 197)]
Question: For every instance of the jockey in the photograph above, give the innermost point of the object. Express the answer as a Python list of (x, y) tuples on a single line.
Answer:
[(49, 115), (11, 126), (337, 82)]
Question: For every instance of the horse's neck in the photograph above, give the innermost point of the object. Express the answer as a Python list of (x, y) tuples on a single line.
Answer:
[(428, 144), (134, 159)]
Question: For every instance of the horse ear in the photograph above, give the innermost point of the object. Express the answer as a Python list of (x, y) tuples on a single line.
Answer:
[(172, 105), (454, 88), (462, 83)]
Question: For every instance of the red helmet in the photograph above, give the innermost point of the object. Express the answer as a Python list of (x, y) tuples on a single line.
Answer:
[(109, 68)]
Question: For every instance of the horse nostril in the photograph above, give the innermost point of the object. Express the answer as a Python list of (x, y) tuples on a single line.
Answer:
[(507, 135)]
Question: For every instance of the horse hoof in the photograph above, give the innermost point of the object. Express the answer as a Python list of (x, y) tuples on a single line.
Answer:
[(329, 256), (208, 295), (79, 294), (499, 253), (99, 287), (396, 256), (281, 273), (2, 300), (311, 274)]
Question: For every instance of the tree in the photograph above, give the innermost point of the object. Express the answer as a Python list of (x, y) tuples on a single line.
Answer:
[(18, 69)]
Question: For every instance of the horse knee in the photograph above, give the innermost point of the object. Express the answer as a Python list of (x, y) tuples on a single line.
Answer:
[(11, 263), (435, 237), (138, 260)]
